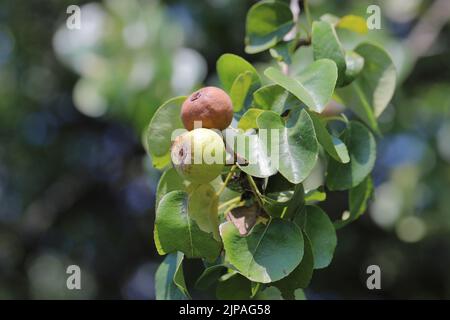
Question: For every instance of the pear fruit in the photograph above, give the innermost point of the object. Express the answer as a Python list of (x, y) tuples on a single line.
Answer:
[(198, 155), (210, 105)]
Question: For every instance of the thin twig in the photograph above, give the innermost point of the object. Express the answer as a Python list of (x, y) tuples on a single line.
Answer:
[(295, 9), (255, 190), (307, 13), (303, 42), (426, 31), (227, 179), (233, 206), (231, 201)]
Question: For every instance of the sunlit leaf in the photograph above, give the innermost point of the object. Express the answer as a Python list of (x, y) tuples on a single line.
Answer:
[(314, 86), (240, 90), (176, 230), (203, 208), (170, 181), (354, 65), (159, 133), (268, 253), (230, 66), (276, 98), (315, 195), (326, 45), (248, 120), (369, 94), (353, 23), (267, 23), (256, 148), (298, 146)]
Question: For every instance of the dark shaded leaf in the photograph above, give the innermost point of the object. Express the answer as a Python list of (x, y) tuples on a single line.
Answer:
[(169, 279)]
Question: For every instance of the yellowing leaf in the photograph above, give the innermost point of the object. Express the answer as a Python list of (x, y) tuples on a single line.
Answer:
[(353, 23)]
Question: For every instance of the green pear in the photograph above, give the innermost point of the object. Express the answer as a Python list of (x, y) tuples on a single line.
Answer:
[(198, 155)]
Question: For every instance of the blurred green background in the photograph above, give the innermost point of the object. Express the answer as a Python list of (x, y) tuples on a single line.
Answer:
[(76, 186)]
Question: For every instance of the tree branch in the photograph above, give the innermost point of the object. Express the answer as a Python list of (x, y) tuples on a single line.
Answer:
[(426, 31)]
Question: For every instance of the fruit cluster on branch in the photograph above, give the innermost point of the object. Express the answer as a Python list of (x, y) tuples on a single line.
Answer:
[(256, 222)]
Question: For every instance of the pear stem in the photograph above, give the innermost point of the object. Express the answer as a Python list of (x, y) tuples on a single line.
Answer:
[(232, 201), (227, 179), (255, 190), (231, 207)]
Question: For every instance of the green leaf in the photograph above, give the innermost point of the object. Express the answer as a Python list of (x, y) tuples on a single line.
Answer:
[(301, 276), (210, 276), (255, 148), (170, 181), (230, 66), (359, 196), (267, 23), (240, 90), (353, 23), (362, 149), (248, 120), (297, 202), (203, 208), (233, 286), (355, 64), (276, 204), (321, 232), (159, 133), (301, 59), (268, 253), (326, 45), (299, 294), (369, 94), (176, 230), (276, 98), (283, 51), (314, 86), (330, 18), (278, 183), (169, 279), (227, 193), (255, 286), (315, 195), (178, 277), (297, 143), (378, 77), (270, 293), (332, 145)]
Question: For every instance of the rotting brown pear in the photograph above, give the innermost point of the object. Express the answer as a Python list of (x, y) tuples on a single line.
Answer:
[(210, 105)]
